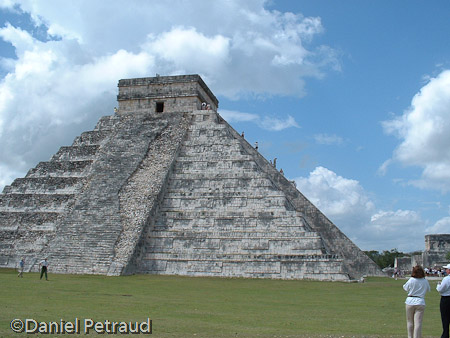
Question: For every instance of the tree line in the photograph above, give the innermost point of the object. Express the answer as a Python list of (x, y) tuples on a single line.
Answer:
[(386, 258)]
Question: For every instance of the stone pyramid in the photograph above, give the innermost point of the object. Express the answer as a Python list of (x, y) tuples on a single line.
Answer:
[(166, 186)]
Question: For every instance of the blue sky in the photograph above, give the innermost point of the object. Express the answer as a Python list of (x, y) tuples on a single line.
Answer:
[(351, 97)]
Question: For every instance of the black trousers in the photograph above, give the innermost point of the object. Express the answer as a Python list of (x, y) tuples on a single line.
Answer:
[(44, 271), (445, 315)]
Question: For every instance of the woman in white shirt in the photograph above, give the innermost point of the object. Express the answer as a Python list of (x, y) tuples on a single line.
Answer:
[(417, 286)]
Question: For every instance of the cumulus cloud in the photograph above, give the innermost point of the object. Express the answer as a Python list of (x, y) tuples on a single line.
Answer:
[(59, 83), (342, 200), (424, 131), (389, 227), (345, 202), (264, 122), (442, 226)]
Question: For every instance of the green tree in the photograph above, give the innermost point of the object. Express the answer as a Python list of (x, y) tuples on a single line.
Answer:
[(385, 258), (447, 256)]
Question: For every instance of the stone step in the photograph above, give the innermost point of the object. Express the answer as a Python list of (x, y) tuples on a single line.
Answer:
[(232, 251), (249, 202), (274, 267), (230, 214), (225, 189), (221, 224), (237, 192), (107, 123), (203, 133), (58, 185), (215, 159), (91, 138), (217, 165), (60, 169), (222, 183), (178, 245), (216, 150), (211, 142), (205, 175), (34, 202), (233, 232), (205, 125), (26, 220), (219, 259), (75, 153)]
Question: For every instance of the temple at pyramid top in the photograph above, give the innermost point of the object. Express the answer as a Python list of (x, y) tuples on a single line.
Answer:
[(165, 94), (166, 186)]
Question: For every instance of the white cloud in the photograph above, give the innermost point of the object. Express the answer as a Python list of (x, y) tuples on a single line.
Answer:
[(276, 124), (264, 122), (55, 88), (342, 200), (184, 50), (327, 139), (424, 131), (237, 116), (349, 206), (442, 226), (382, 170), (401, 229)]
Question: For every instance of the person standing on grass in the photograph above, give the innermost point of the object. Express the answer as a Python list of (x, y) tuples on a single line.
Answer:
[(43, 267), (444, 289), (21, 267), (417, 286)]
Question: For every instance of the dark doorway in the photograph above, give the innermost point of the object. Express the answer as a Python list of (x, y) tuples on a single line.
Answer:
[(159, 107)]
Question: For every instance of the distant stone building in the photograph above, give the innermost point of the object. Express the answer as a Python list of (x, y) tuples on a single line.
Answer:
[(436, 248), (166, 186)]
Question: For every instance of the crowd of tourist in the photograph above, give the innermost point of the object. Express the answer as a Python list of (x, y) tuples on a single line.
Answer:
[(435, 272)]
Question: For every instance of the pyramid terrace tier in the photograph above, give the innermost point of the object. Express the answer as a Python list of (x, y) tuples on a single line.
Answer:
[(324, 267), (31, 220), (231, 232), (60, 169), (186, 183), (91, 138), (261, 202), (235, 245), (231, 223), (76, 153), (57, 185), (32, 202)]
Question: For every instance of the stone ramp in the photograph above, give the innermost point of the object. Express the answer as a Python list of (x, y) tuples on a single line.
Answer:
[(99, 235)]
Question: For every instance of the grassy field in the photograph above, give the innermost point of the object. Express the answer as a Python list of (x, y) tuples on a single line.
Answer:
[(216, 307)]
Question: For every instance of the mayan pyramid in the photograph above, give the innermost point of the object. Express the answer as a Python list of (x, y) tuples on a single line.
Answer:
[(166, 186)]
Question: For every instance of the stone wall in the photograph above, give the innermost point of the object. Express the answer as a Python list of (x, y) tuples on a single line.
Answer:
[(436, 248), (176, 93)]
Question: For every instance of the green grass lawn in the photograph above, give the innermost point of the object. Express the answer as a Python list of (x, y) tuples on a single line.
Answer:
[(216, 307)]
